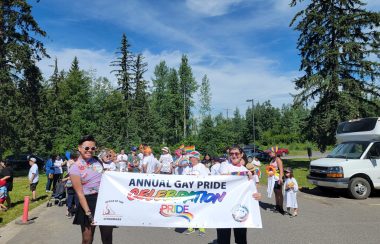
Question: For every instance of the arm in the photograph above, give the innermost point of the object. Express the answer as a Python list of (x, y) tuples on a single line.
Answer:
[(77, 185), (281, 168)]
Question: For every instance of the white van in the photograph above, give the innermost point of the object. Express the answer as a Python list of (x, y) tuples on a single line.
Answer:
[(354, 164)]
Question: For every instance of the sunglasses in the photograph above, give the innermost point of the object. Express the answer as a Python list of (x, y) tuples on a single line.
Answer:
[(88, 148), (236, 154)]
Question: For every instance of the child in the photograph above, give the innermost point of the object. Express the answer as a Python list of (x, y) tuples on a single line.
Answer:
[(3, 195), (291, 188)]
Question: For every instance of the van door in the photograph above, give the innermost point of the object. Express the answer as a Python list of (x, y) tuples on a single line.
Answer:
[(373, 156)]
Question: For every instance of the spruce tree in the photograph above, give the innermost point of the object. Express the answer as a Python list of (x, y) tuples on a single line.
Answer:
[(188, 86), (337, 40), (205, 97)]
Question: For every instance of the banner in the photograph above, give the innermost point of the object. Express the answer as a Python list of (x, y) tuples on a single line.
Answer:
[(221, 201)]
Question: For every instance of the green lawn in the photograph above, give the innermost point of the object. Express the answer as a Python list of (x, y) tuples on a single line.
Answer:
[(300, 170), (21, 189)]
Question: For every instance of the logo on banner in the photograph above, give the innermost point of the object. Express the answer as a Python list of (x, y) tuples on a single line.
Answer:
[(168, 210), (240, 213), (109, 212)]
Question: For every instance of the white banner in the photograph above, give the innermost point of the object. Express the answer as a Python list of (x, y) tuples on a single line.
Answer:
[(133, 199)]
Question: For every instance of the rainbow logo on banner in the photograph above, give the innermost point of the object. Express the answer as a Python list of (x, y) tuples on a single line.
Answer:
[(168, 210)]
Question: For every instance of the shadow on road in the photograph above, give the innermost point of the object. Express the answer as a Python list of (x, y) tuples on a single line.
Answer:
[(333, 193)]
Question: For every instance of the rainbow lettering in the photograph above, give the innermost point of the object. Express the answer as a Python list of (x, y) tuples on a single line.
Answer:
[(167, 210)]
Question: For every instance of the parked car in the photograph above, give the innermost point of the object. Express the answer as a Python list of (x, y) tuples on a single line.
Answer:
[(21, 161), (280, 151), (259, 154)]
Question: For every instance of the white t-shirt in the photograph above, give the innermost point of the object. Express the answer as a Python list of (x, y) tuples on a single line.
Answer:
[(123, 160), (151, 164), (229, 168), (199, 169), (109, 166), (215, 169), (33, 170), (166, 161), (58, 166)]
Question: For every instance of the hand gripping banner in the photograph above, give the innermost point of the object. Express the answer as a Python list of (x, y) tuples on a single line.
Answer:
[(220, 201)]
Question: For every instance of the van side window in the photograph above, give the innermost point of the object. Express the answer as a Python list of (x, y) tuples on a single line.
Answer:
[(374, 151)]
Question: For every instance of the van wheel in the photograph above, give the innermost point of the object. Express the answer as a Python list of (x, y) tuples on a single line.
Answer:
[(359, 188)]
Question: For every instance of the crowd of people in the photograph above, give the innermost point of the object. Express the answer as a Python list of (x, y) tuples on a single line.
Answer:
[(84, 170)]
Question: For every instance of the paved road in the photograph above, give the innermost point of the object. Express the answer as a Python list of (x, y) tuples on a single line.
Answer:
[(322, 219)]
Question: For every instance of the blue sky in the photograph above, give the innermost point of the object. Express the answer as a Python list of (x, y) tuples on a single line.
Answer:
[(245, 47)]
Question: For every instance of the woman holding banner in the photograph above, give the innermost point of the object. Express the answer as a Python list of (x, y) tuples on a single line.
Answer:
[(235, 167), (85, 175)]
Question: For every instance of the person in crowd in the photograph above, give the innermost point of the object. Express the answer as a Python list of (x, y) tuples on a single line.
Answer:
[(251, 167), (166, 161), (122, 160), (133, 160), (215, 166), (105, 157), (291, 189), (207, 160), (85, 175), (197, 168), (33, 177), (58, 162), (182, 163), (49, 169), (6, 174), (3, 194), (277, 164), (150, 164), (234, 166)]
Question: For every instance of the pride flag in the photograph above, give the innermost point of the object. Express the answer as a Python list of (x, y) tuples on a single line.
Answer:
[(189, 149)]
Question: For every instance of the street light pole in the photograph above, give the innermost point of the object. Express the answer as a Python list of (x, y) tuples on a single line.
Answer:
[(253, 125)]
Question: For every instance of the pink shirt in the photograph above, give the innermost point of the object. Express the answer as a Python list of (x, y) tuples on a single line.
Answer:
[(90, 173)]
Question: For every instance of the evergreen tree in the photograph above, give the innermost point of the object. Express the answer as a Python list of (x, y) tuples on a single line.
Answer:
[(205, 97), (188, 86), (18, 52), (174, 103), (123, 65), (160, 101), (336, 42)]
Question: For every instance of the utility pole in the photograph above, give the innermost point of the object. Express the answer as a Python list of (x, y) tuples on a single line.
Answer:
[(184, 111), (227, 109), (253, 125)]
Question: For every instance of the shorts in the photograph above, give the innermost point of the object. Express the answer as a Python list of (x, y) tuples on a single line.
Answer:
[(80, 216), (9, 186), (277, 186), (2, 200), (33, 186)]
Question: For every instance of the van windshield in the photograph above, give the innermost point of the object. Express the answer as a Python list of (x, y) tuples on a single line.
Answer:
[(352, 150)]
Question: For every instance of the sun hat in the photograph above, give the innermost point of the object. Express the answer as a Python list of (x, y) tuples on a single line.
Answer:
[(33, 159), (165, 149), (250, 166), (288, 169)]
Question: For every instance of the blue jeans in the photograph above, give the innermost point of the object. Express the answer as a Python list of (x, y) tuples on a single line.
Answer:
[(48, 183), (72, 198)]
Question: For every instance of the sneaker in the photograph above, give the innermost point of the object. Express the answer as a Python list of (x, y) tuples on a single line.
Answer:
[(202, 233), (294, 214), (189, 231)]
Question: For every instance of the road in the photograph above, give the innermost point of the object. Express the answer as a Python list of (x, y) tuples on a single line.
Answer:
[(322, 219)]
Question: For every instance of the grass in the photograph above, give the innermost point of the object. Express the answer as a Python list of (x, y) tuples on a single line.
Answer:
[(300, 170), (21, 189)]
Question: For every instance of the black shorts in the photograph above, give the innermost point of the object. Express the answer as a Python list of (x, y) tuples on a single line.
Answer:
[(33, 186), (277, 186), (80, 216), (9, 186)]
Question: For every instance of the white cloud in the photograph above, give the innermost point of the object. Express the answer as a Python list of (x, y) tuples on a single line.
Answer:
[(97, 61), (211, 7)]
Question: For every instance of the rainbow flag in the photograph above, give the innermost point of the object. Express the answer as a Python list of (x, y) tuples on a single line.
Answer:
[(189, 149)]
